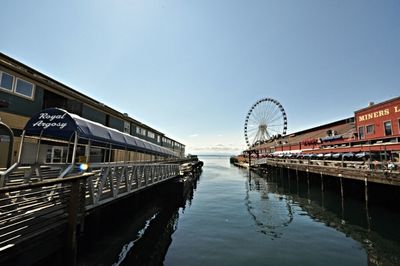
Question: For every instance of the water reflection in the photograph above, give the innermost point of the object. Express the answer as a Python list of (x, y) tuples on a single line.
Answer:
[(140, 236), (271, 211), (279, 192)]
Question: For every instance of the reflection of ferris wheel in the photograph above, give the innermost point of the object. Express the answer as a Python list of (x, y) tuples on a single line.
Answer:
[(265, 119)]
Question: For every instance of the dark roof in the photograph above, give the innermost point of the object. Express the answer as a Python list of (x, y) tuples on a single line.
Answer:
[(59, 124)]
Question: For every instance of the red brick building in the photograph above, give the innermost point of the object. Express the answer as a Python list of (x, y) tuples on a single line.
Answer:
[(379, 121)]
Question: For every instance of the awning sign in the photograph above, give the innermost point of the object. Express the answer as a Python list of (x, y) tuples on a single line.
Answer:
[(54, 120), (47, 120)]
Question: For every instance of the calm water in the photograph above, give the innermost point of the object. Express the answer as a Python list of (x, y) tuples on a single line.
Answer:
[(233, 217)]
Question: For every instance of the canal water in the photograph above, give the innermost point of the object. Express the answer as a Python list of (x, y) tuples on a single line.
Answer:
[(235, 217)]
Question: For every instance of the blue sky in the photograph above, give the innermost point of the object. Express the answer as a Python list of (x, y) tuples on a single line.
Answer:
[(192, 69)]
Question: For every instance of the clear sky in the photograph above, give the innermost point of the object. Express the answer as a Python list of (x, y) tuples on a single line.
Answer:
[(193, 68)]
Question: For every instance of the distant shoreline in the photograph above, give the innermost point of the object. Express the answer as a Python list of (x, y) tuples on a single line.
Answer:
[(215, 155)]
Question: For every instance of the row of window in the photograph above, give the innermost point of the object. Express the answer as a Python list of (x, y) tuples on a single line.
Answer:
[(168, 141), (178, 145), (16, 85), (143, 132), (151, 135), (370, 129)]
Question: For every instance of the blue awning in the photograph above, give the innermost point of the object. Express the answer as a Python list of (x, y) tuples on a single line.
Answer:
[(59, 124)]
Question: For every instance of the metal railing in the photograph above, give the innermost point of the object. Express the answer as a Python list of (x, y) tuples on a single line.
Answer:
[(115, 180), (36, 206), (363, 165), (371, 170), (30, 210)]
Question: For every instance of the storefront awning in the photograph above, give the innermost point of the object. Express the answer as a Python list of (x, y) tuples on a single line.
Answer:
[(59, 124)]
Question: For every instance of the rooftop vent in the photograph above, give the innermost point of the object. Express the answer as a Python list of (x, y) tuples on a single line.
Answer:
[(370, 104)]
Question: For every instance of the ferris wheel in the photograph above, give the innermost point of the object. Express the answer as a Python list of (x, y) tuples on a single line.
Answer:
[(266, 119)]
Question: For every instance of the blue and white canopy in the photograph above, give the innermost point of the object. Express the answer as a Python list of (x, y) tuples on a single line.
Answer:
[(59, 124)]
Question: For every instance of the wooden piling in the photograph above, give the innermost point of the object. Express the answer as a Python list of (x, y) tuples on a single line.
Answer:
[(308, 185), (341, 195), (297, 180), (322, 190), (322, 182), (71, 242)]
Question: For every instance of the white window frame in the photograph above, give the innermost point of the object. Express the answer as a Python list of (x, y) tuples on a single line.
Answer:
[(141, 131), (14, 86), (363, 131), (398, 125), (23, 95), (366, 129), (391, 127), (13, 81), (151, 135), (127, 127)]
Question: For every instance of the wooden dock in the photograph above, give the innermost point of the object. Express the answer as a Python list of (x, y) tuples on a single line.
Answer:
[(357, 170)]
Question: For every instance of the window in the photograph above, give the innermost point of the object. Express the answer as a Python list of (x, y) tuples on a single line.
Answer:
[(127, 127), (141, 131), (18, 86), (6, 81), (361, 133), (24, 88), (158, 138), (388, 128), (398, 125), (168, 141), (151, 135), (370, 129)]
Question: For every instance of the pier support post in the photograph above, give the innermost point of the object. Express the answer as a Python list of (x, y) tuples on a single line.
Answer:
[(322, 182), (366, 204), (71, 242), (297, 180), (322, 189), (308, 186), (288, 178), (341, 195)]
